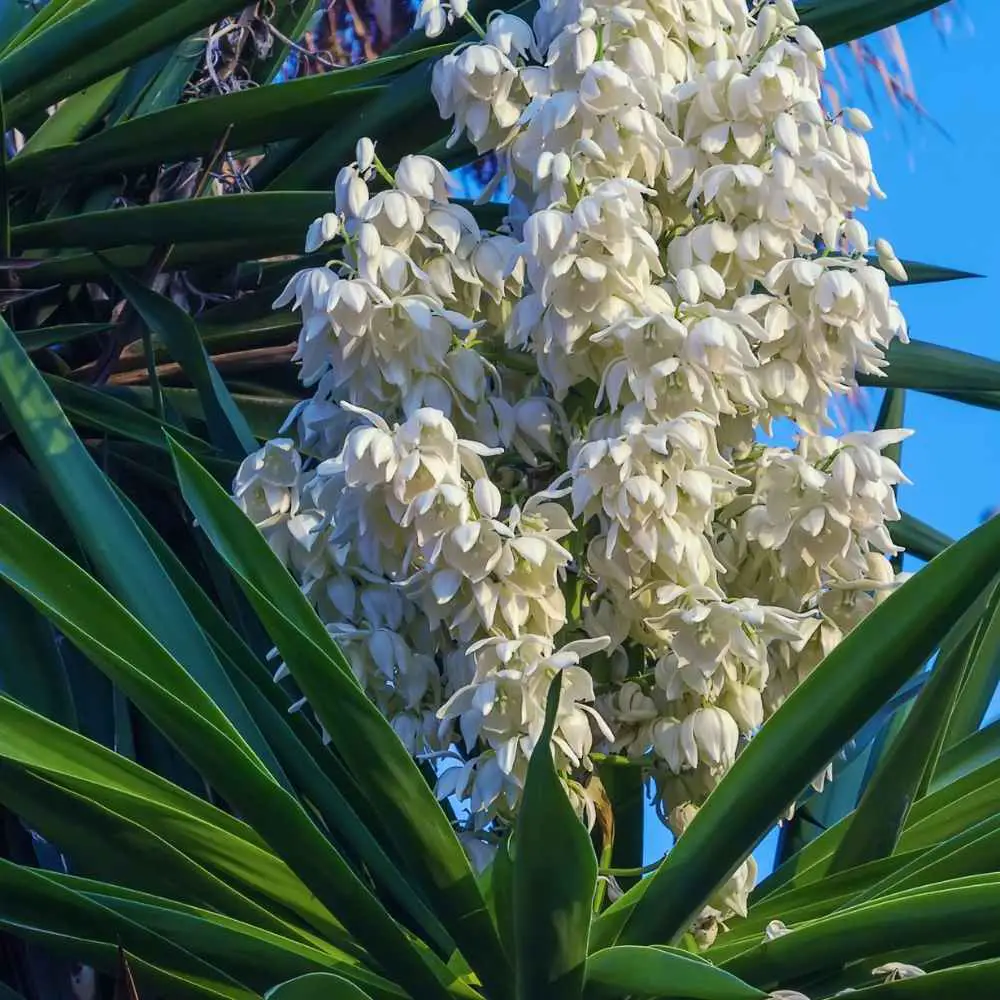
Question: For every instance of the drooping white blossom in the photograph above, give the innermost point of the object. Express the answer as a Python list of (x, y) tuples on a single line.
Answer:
[(542, 450)]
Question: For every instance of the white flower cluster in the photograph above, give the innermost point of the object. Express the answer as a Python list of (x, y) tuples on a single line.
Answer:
[(532, 446)]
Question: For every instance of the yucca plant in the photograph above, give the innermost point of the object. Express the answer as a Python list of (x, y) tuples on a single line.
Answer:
[(160, 799), (342, 875)]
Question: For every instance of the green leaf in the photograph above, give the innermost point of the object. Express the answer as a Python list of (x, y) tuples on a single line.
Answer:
[(74, 52), (946, 812), (808, 902), (258, 115), (73, 268), (53, 11), (109, 844), (891, 415), (840, 21), (976, 979), (87, 614), (423, 839), (233, 216), (31, 668), (102, 411), (400, 118), (74, 116), (952, 809), (551, 848), (14, 17), (973, 851), (859, 675), (661, 972), (905, 770), (936, 369), (980, 682), (926, 274), (950, 912), (253, 955), (317, 986), (500, 893), (110, 537), (175, 328), (30, 900), (975, 751), (213, 838), (919, 539), (315, 773), (50, 336), (69, 598)]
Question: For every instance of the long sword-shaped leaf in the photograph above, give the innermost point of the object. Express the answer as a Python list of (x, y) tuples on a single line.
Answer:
[(904, 772), (257, 116), (551, 848), (80, 607), (68, 55), (661, 972), (31, 667), (318, 986), (975, 979), (107, 844), (973, 851), (28, 892), (233, 216), (74, 116), (961, 759), (89, 407), (315, 772), (839, 21), (255, 956), (209, 835), (959, 911), (415, 824), (970, 798), (111, 538), (979, 685), (928, 274), (918, 538), (175, 328), (795, 744), (933, 368)]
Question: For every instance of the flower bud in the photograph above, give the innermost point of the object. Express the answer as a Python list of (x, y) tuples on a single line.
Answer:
[(487, 498), (715, 734), (322, 230), (786, 9), (898, 970), (888, 260), (687, 285), (633, 705), (744, 704), (856, 234), (775, 929), (667, 742), (858, 119), (364, 153)]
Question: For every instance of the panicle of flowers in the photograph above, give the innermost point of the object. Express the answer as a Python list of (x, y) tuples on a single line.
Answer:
[(542, 449)]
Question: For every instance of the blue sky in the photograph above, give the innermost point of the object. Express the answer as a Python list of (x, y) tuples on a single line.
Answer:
[(952, 458)]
